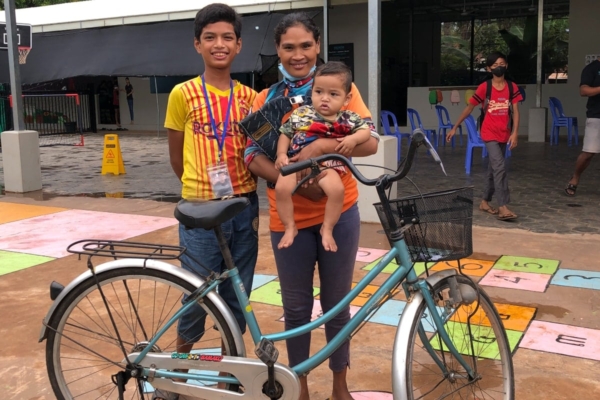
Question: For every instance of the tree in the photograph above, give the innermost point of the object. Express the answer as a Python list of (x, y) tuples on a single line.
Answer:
[(36, 3)]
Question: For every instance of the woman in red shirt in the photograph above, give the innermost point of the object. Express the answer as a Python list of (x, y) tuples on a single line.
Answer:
[(500, 128)]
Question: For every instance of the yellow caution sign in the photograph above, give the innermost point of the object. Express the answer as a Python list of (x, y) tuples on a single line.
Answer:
[(112, 161)]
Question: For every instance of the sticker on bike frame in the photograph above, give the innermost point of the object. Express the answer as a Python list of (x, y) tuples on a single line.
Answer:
[(197, 357)]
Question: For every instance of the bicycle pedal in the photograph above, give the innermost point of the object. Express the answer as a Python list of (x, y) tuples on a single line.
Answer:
[(266, 351)]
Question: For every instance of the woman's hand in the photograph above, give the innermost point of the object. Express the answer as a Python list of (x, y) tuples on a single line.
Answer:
[(311, 151)]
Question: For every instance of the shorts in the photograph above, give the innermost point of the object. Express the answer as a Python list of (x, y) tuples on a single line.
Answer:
[(591, 140)]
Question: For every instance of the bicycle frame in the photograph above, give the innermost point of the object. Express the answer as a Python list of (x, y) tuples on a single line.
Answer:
[(402, 274)]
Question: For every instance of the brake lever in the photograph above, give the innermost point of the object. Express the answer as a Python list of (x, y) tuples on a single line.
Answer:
[(315, 170), (434, 154)]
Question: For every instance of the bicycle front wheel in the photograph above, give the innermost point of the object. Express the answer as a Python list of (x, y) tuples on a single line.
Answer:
[(84, 347), (433, 372)]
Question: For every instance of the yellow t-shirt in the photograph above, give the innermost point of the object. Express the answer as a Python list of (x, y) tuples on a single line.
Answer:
[(187, 112)]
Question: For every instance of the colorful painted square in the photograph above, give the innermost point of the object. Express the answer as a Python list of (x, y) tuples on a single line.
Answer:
[(391, 312), (11, 262), (10, 212), (270, 293), (515, 318), (469, 266), (577, 278), (49, 235), (391, 267), (366, 294), (484, 343), (516, 280), (563, 339), (317, 312), (369, 255), (524, 264), (261, 280)]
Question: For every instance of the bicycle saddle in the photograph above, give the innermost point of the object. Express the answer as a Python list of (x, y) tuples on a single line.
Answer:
[(208, 214)]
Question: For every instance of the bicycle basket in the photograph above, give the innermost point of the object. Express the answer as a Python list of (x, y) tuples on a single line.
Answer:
[(441, 227)]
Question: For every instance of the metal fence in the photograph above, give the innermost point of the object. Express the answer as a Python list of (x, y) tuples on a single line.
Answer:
[(52, 114)]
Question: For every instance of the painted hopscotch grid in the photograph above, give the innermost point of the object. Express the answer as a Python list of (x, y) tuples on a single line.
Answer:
[(521, 273), (563, 339), (471, 267), (484, 341), (391, 267), (270, 293), (317, 312), (32, 235), (369, 255), (577, 279), (12, 262), (524, 264)]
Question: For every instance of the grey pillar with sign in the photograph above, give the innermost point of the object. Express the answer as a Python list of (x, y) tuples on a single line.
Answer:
[(20, 147)]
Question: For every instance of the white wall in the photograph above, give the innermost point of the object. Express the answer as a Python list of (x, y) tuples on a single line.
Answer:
[(349, 24)]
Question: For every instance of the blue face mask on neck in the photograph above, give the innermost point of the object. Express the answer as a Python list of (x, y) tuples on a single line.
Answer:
[(291, 78)]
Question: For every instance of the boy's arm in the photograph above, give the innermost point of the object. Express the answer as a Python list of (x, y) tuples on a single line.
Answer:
[(175, 139), (175, 120)]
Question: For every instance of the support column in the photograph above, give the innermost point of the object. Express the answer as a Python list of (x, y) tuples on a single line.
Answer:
[(20, 148), (538, 116)]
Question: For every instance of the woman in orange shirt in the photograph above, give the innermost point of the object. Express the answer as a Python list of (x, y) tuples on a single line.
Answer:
[(297, 40)]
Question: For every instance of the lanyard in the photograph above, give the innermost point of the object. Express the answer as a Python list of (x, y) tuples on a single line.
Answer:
[(220, 141)]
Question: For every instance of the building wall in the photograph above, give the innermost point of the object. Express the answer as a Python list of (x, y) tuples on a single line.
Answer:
[(584, 30), (146, 114)]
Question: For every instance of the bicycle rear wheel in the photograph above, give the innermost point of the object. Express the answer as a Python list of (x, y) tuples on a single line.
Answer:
[(477, 332), (83, 350)]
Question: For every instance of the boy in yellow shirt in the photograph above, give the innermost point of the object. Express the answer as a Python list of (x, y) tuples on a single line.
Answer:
[(202, 121)]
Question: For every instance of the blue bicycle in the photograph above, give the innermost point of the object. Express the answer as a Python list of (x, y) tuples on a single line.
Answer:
[(111, 333)]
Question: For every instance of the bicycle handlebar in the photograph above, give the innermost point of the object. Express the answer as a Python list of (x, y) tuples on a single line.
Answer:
[(418, 138)]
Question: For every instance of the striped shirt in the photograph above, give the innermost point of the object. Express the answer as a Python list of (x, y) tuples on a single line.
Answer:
[(187, 111)]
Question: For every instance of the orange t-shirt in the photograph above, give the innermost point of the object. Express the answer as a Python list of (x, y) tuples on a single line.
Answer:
[(309, 213)]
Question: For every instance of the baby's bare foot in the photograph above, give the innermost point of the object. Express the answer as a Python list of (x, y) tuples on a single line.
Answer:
[(288, 238)]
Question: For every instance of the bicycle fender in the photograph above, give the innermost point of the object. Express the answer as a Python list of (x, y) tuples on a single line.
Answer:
[(157, 265), (401, 345)]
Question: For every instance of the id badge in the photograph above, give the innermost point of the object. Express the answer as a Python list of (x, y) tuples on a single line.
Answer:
[(220, 180)]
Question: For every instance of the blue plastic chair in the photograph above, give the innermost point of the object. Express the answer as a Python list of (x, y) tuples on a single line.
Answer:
[(386, 117), (444, 124), (415, 122), (474, 140), (559, 120)]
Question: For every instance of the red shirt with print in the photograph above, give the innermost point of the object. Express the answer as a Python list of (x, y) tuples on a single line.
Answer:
[(496, 123)]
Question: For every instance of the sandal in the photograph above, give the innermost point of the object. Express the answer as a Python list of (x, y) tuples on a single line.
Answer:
[(572, 188), (489, 210), (507, 217), (164, 395)]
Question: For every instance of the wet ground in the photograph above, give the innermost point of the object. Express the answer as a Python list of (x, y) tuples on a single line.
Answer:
[(538, 174)]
